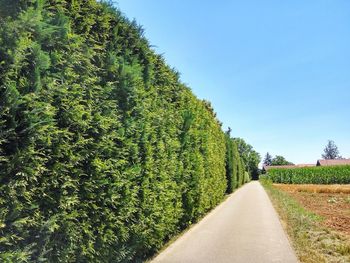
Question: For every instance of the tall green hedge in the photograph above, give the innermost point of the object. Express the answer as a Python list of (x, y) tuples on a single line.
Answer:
[(235, 172), (104, 153), (311, 175), (230, 166)]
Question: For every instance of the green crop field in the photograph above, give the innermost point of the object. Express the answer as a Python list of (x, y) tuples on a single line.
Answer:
[(311, 175)]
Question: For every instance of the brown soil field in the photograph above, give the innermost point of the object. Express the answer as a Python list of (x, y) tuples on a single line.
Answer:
[(332, 202), (315, 188)]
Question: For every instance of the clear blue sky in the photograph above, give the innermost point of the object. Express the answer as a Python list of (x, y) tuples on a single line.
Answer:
[(276, 72)]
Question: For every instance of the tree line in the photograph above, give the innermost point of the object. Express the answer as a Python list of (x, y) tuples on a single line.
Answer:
[(330, 152), (104, 153)]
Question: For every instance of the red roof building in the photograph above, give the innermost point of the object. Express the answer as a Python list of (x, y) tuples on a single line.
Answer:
[(333, 162)]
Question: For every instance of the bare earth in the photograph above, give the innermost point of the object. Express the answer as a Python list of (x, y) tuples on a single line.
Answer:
[(332, 202), (245, 228)]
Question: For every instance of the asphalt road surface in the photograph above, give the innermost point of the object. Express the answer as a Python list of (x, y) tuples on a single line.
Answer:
[(245, 229)]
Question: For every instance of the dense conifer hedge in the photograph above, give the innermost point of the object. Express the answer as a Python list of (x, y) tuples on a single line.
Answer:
[(236, 175), (104, 153)]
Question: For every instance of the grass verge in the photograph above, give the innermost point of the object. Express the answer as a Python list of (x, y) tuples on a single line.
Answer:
[(312, 242)]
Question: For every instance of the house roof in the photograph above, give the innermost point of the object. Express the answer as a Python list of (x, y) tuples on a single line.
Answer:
[(333, 162)]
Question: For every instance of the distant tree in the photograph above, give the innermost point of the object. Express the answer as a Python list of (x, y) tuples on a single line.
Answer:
[(250, 157), (331, 151), (280, 160), (267, 160), (253, 164)]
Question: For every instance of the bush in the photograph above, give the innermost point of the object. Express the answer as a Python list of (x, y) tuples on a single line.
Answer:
[(104, 153), (233, 160), (311, 175), (246, 177)]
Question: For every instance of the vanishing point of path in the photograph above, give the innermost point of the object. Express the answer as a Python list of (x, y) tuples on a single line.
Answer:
[(244, 229)]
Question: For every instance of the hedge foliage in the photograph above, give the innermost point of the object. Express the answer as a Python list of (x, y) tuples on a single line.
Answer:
[(235, 172), (311, 175), (104, 153)]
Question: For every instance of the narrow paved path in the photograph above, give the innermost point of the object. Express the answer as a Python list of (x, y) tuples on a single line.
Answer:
[(245, 229)]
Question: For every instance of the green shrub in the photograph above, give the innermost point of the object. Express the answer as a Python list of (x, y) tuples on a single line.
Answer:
[(232, 160), (311, 175), (104, 153), (246, 177)]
